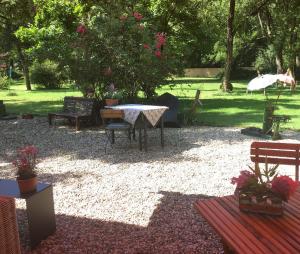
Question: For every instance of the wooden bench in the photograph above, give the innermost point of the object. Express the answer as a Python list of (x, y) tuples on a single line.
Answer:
[(77, 109), (276, 153)]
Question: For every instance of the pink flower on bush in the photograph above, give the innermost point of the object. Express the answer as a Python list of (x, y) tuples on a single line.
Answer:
[(160, 38), (243, 180), (284, 186), (146, 46), (81, 29), (137, 16), (157, 53)]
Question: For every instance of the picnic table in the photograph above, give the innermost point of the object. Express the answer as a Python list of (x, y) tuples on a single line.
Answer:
[(253, 233), (142, 116)]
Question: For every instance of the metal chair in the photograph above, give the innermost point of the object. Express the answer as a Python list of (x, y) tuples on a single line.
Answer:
[(113, 121)]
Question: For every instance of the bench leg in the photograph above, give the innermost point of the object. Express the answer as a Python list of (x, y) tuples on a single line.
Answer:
[(77, 123), (50, 119)]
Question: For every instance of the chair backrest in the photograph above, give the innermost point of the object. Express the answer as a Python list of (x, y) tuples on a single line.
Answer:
[(79, 105), (111, 114), (276, 153)]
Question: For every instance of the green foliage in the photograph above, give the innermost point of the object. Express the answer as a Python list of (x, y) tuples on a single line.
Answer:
[(4, 82), (265, 60), (99, 48), (46, 74)]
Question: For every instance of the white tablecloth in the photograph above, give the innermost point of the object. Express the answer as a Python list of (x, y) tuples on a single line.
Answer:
[(132, 111)]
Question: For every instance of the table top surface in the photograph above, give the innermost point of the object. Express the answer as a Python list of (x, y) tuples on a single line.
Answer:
[(10, 188), (140, 107), (132, 111), (254, 233)]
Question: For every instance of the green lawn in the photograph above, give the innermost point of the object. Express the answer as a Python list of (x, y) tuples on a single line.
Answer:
[(219, 109), (37, 101)]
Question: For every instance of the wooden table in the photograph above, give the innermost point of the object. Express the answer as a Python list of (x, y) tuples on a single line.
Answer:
[(141, 117), (253, 233)]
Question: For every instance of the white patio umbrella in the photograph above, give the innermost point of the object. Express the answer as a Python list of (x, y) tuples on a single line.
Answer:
[(262, 82)]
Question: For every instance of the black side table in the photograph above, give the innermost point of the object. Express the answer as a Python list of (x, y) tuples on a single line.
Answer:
[(39, 208)]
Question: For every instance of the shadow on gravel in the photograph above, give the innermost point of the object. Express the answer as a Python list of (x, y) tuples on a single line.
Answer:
[(174, 227), (60, 141)]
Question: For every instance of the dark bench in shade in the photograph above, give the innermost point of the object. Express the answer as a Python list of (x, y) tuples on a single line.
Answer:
[(76, 109)]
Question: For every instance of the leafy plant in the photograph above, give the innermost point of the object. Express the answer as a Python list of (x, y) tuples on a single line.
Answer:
[(46, 74), (263, 182), (113, 93), (26, 162)]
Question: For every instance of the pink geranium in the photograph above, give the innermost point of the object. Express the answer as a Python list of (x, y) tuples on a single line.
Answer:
[(25, 163), (284, 186), (243, 180)]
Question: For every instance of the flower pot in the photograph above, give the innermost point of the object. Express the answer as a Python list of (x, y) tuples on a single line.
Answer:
[(270, 204), (111, 102), (27, 185), (27, 116)]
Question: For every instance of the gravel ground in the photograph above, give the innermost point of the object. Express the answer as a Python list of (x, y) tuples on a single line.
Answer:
[(127, 201)]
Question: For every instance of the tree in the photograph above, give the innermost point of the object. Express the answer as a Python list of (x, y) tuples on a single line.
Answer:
[(13, 15), (99, 47), (229, 46)]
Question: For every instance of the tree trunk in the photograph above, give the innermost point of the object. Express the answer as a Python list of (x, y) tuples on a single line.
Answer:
[(25, 66), (279, 60), (229, 47)]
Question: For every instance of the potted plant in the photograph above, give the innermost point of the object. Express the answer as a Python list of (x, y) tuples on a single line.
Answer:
[(112, 96), (263, 191), (25, 164)]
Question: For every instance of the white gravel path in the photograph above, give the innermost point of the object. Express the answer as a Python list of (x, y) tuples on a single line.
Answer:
[(127, 201)]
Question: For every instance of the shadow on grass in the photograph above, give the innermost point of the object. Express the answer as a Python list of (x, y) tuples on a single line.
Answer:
[(174, 227)]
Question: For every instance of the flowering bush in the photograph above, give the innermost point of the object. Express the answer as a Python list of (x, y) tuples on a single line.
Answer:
[(263, 183), (26, 162)]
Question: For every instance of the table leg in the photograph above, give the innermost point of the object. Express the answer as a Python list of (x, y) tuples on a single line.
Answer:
[(41, 216), (162, 131), (145, 134), (140, 139)]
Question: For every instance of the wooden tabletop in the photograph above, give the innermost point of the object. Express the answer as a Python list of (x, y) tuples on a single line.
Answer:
[(254, 233)]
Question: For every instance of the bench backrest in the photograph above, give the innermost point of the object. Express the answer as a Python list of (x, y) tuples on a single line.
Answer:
[(79, 105), (276, 153)]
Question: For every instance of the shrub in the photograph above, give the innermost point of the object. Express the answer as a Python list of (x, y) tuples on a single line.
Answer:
[(46, 74), (4, 82)]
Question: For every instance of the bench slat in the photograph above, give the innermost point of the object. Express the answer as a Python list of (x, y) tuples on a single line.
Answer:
[(275, 145), (272, 160), (274, 153)]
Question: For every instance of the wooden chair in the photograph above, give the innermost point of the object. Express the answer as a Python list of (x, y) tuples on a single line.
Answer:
[(113, 121), (277, 153), (9, 235)]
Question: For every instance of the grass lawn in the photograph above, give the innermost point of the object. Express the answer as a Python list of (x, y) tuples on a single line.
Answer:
[(219, 109)]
